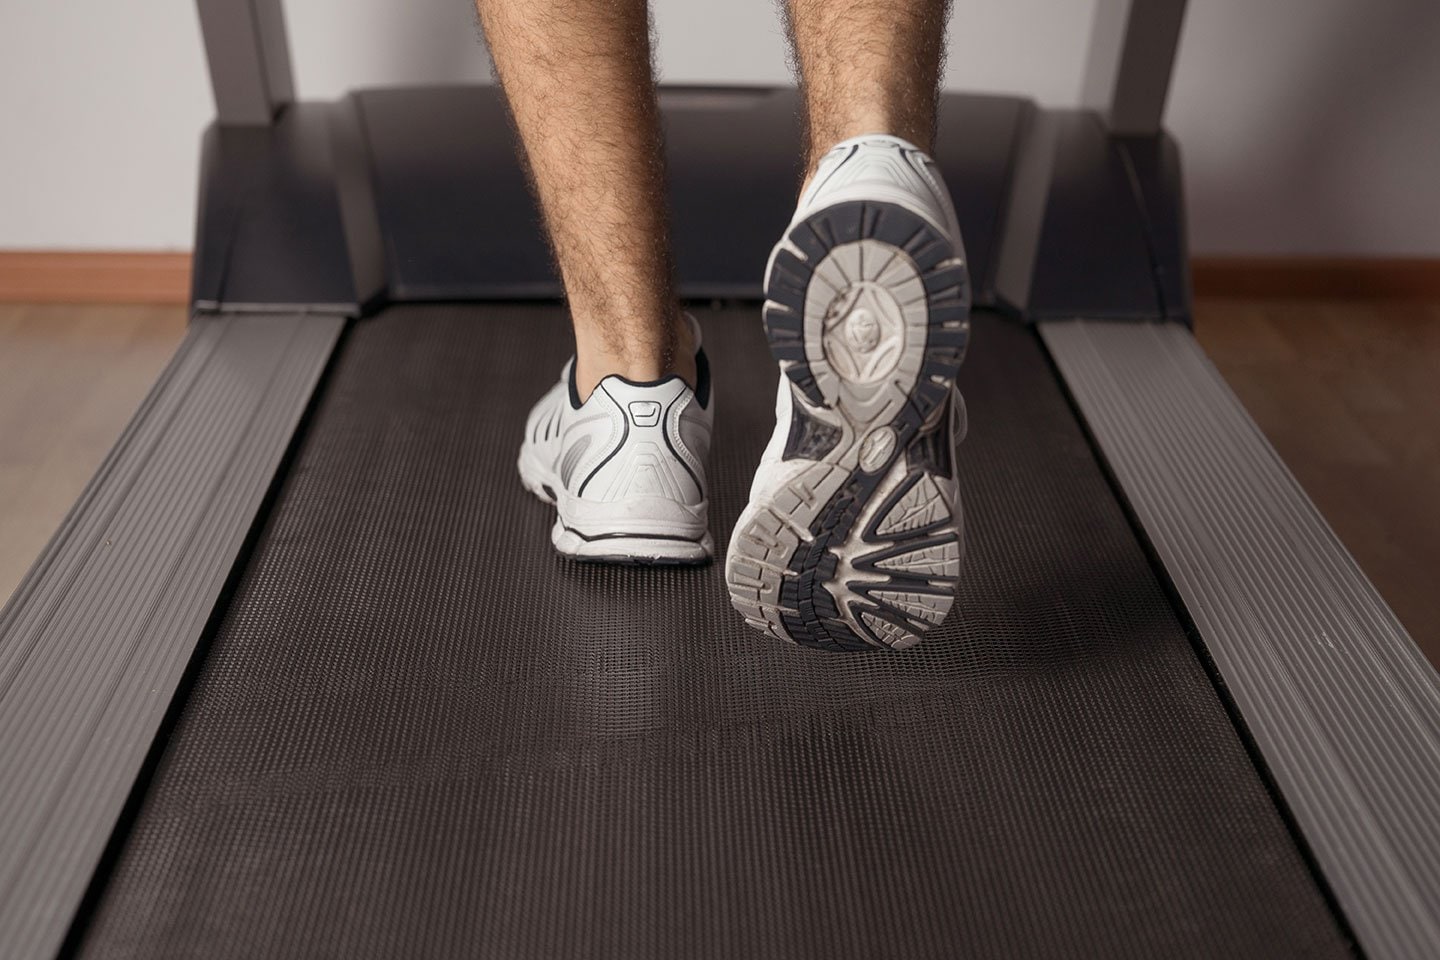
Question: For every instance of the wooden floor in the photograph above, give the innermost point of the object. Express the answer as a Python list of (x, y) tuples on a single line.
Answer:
[(70, 378), (1348, 391)]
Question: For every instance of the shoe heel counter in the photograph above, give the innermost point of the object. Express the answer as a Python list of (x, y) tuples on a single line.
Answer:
[(646, 469), (662, 451), (884, 167), (934, 181)]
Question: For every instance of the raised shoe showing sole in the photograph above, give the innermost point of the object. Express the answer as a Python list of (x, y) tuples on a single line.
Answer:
[(853, 537)]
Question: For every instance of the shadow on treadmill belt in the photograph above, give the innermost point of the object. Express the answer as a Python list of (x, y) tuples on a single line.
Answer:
[(418, 732)]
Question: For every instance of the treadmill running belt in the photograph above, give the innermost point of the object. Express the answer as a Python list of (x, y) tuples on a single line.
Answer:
[(417, 732)]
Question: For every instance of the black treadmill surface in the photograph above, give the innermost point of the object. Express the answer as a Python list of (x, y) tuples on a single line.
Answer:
[(417, 732)]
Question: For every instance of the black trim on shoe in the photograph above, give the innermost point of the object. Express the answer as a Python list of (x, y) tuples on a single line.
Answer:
[(702, 378), (575, 403), (611, 455), (698, 541)]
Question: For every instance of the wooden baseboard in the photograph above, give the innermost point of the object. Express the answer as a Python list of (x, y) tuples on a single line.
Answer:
[(56, 276), (1335, 278), (119, 277)]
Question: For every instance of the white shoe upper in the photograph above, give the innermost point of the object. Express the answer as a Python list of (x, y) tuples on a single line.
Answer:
[(880, 167), (626, 468)]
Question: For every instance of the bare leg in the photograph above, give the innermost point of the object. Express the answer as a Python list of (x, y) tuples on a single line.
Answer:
[(868, 66), (578, 78)]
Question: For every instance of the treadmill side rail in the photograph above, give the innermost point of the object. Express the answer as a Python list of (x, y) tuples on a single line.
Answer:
[(98, 635), (1341, 706)]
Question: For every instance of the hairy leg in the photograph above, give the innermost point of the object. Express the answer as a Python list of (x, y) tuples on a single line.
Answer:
[(867, 66), (578, 78)]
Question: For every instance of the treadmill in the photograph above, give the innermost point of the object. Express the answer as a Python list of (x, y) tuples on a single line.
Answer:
[(300, 674)]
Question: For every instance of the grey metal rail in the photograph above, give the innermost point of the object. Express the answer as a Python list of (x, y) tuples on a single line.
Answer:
[(98, 635), (1343, 708)]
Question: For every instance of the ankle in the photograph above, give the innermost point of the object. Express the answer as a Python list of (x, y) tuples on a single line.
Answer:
[(641, 362)]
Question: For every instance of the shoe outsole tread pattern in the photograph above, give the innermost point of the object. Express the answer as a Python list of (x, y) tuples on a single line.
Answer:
[(872, 534)]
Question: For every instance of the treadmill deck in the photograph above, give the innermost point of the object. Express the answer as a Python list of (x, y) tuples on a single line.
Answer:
[(416, 731)]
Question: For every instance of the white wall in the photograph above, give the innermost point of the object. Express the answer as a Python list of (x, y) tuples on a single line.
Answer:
[(1308, 126), (101, 106), (1311, 126)]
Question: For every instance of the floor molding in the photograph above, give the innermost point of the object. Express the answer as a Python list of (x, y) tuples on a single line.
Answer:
[(1330, 277), (56, 276)]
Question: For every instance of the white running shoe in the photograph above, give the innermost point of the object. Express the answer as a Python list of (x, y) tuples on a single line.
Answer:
[(625, 469), (853, 536)]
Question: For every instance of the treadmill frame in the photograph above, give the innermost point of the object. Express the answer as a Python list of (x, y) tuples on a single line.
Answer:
[(98, 636)]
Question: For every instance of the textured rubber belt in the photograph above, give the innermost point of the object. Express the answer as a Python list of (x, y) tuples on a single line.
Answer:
[(418, 732)]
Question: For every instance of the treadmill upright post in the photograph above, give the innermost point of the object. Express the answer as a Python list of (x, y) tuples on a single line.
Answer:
[(249, 59), (1132, 55)]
